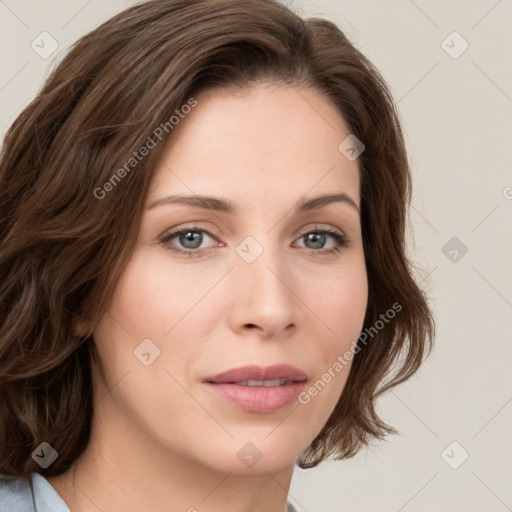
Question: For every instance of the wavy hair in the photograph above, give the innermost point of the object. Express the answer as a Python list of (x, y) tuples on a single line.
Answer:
[(62, 249)]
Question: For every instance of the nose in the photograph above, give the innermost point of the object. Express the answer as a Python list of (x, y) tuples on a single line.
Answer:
[(263, 299)]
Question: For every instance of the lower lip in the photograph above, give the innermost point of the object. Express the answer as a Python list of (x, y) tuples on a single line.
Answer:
[(258, 398)]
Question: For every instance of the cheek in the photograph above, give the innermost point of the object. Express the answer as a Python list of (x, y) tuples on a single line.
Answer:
[(340, 301), (153, 294), (160, 301)]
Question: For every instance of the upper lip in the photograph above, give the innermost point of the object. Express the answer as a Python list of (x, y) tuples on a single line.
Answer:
[(260, 373)]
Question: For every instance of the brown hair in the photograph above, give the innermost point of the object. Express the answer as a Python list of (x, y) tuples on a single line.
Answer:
[(63, 247)]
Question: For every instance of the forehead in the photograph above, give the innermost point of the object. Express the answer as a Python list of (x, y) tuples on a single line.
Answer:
[(265, 141)]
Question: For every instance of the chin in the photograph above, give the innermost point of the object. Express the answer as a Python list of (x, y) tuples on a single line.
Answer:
[(246, 457)]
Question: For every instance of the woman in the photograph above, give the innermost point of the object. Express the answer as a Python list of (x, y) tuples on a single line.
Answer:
[(203, 269)]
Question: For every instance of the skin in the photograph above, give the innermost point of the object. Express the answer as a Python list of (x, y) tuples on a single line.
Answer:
[(160, 440)]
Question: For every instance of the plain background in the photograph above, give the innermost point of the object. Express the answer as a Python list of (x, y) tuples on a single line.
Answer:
[(457, 117)]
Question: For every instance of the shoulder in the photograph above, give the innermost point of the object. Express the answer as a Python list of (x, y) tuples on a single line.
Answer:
[(291, 508), (34, 495), (16, 495), (46, 497)]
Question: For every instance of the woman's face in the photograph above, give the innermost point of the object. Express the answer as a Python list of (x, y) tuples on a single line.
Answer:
[(266, 284)]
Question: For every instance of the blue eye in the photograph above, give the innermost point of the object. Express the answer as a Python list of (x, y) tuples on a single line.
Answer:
[(191, 238), (318, 237)]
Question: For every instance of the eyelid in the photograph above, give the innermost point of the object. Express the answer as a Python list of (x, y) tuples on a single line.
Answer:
[(194, 227), (173, 232), (321, 227), (342, 240)]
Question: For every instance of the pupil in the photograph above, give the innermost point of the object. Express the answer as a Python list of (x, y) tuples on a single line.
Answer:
[(318, 239), (189, 237)]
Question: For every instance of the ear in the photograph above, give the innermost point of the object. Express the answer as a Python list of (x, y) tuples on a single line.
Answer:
[(80, 327)]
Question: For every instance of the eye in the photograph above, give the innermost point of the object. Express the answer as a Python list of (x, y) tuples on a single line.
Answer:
[(316, 239), (190, 239)]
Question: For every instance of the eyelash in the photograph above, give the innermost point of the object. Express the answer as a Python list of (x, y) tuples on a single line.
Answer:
[(341, 240)]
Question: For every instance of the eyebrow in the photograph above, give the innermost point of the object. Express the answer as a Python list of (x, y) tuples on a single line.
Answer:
[(227, 206)]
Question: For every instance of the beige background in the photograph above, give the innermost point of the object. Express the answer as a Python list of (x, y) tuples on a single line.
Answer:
[(457, 115)]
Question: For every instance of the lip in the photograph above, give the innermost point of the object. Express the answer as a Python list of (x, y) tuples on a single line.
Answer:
[(258, 399), (255, 372)]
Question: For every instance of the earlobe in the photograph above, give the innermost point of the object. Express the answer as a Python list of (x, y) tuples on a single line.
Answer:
[(80, 327)]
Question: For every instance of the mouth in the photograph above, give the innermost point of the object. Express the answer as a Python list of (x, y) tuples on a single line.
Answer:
[(276, 375), (258, 389), (262, 383)]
